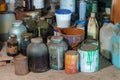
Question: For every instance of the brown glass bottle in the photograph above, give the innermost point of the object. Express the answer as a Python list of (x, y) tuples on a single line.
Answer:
[(12, 46), (3, 6), (29, 5)]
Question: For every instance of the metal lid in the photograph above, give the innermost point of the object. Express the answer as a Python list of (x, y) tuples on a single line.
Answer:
[(71, 52), (37, 40), (27, 35)]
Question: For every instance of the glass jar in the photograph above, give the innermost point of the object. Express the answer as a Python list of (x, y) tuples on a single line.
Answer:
[(18, 29), (57, 48), (37, 53), (25, 42), (12, 46)]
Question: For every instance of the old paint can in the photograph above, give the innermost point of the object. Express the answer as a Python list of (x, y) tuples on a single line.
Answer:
[(71, 61), (21, 65), (89, 57)]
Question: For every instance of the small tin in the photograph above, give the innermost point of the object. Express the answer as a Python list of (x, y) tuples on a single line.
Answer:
[(71, 61)]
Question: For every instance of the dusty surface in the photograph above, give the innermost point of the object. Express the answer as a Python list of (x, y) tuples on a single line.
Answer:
[(108, 73)]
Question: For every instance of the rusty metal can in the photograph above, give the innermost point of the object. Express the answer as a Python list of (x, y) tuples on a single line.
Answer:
[(21, 65), (71, 61)]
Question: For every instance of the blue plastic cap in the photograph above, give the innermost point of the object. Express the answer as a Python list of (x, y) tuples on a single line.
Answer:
[(63, 11), (106, 21)]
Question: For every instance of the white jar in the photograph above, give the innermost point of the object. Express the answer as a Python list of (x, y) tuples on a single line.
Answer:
[(63, 17)]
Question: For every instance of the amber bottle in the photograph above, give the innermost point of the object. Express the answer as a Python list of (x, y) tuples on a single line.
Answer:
[(3, 6)]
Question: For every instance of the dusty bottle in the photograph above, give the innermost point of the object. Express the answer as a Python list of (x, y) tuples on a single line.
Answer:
[(37, 53), (57, 48), (92, 28), (12, 46), (25, 42), (3, 6), (44, 29)]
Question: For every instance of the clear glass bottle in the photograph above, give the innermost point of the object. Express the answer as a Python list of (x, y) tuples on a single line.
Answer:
[(92, 28), (18, 29), (25, 42), (12, 46), (37, 53), (57, 48)]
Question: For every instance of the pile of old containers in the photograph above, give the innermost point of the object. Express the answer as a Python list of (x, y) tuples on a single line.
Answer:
[(70, 36)]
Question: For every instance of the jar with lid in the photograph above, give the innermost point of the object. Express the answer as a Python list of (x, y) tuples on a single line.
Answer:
[(37, 53), (12, 46), (30, 25), (21, 65), (25, 42), (18, 29), (57, 48)]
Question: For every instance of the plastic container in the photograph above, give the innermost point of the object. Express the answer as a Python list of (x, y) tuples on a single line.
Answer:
[(105, 38), (116, 46), (63, 18)]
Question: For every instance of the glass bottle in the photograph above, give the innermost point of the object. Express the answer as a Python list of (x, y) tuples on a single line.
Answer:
[(18, 29), (92, 28), (3, 6), (44, 29), (12, 46), (57, 48), (25, 42), (30, 25), (37, 53)]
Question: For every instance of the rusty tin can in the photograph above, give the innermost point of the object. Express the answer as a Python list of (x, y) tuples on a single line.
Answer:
[(71, 61)]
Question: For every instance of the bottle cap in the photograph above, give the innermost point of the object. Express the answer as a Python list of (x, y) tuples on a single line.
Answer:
[(92, 14), (63, 11)]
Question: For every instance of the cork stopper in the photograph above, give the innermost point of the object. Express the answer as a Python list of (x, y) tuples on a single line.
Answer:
[(36, 40)]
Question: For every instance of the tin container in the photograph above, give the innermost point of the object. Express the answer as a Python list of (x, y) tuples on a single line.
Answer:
[(71, 61), (21, 65), (89, 57)]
